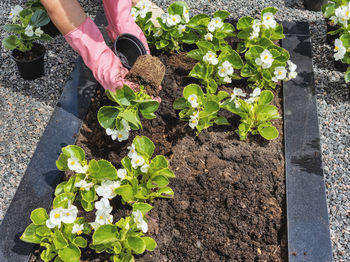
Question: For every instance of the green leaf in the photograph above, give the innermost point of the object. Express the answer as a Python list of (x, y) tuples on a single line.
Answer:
[(144, 146), (126, 162), (62, 163), (245, 34), (211, 107), (345, 38), (131, 116), (136, 244), (43, 231), (221, 121), (162, 43), (39, 216), (158, 162), (196, 54), (150, 243), (213, 86), (70, 185), (10, 42), (199, 71), (74, 151), (177, 8), (266, 112), (107, 116), (227, 29), (61, 200), (205, 45), (193, 89), (347, 75), (222, 14), (267, 131), (13, 28), (198, 20), (143, 207), (148, 107), (70, 254), (39, 18), (59, 240), (266, 97), (235, 59), (189, 38), (160, 180), (165, 192), (105, 234), (88, 195), (125, 95), (245, 22), (80, 242), (102, 170), (328, 9), (164, 172), (125, 192), (30, 236), (180, 103), (272, 10), (88, 206)]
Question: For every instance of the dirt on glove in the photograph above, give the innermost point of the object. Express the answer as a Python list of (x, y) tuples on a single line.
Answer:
[(148, 71)]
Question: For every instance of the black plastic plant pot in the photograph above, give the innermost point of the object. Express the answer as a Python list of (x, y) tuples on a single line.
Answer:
[(51, 29), (314, 5), (31, 68), (128, 48)]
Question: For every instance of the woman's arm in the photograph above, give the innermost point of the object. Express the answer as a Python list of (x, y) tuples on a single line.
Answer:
[(65, 14)]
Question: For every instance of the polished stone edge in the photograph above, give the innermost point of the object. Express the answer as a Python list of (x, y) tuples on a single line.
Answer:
[(42, 176), (298, 28), (307, 209)]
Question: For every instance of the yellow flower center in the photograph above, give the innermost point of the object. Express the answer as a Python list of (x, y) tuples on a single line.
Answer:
[(186, 11), (174, 19), (11, 14), (120, 135), (210, 55), (347, 13), (193, 121), (73, 163), (82, 188), (266, 57), (137, 161), (217, 21), (268, 18), (101, 217), (280, 73), (223, 70), (337, 48), (192, 98), (343, 19), (67, 214), (57, 215), (79, 232)]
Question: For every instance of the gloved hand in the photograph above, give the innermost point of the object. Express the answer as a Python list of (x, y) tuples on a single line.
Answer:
[(106, 67), (120, 21)]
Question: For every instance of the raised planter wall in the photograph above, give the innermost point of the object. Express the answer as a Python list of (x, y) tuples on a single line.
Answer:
[(308, 232)]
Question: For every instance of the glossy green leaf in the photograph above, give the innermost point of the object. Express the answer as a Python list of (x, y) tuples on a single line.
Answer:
[(39, 216), (222, 14), (143, 207), (10, 42), (245, 22), (198, 20), (206, 45), (272, 10), (158, 162), (211, 107), (13, 28), (59, 240), (193, 89), (88, 195), (40, 18), (136, 244), (196, 54), (148, 107), (177, 8), (266, 97), (43, 231), (131, 116), (221, 121), (347, 75), (267, 131), (107, 115), (102, 170), (151, 244), (62, 199), (105, 234), (80, 242), (126, 192), (160, 180), (180, 103), (88, 206), (144, 146), (74, 151), (30, 236), (125, 95), (70, 254)]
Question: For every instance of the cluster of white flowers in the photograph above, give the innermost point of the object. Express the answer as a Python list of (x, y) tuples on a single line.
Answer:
[(194, 120), (83, 185), (256, 29), (236, 93), (141, 224), (14, 14), (121, 135), (60, 214), (268, 20), (215, 24), (29, 31), (208, 37), (137, 160), (281, 72), (210, 57), (254, 96), (103, 216), (342, 15), (265, 60), (339, 50), (193, 99), (106, 189), (74, 165), (142, 8), (225, 71), (170, 20), (77, 229)]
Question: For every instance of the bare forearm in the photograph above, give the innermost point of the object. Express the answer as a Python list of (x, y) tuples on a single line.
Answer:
[(65, 14)]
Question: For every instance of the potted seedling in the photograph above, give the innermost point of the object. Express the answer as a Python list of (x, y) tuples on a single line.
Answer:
[(26, 30)]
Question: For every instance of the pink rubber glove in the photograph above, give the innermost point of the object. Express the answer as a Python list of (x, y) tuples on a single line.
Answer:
[(120, 21), (106, 67)]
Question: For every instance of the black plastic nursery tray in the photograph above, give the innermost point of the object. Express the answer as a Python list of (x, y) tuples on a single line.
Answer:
[(307, 213)]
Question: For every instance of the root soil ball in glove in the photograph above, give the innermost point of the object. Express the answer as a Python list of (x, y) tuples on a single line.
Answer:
[(148, 71)]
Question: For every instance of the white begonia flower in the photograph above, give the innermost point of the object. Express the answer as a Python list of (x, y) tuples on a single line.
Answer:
[(122, 135), (227, 79), (132, 151), (144, 7), (14, 14), (134, 13), (193, 99), (265, 60), (211, 27), (225, 69), (125, 125), (164, 17), (339, 49), (195, 114), (217, 22), (210, 57), (237, 92), (38, 32), (122, 173), (112, 132), (69, 215), (158, 32), (74, 165), (208, 37), (106, 189), (181, 29), (127, 226), (83, 185), (94, 225), (186, 15), (193, 122), (144, 168), (268, 20), (256, 92), (103, 205), (256, 29), (254, 35), (292, 70), (103, 218), (29, 31), (334, 20), (343, 14), (137, 161), (173, 20), (140, 223), (280, 73), (78, 229), (55, 218)]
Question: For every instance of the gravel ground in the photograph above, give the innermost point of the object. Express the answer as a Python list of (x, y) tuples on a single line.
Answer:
[(25, 107)]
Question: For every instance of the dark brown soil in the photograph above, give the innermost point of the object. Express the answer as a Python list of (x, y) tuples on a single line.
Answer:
[(147, 71), (36, 52), (229, 202)]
